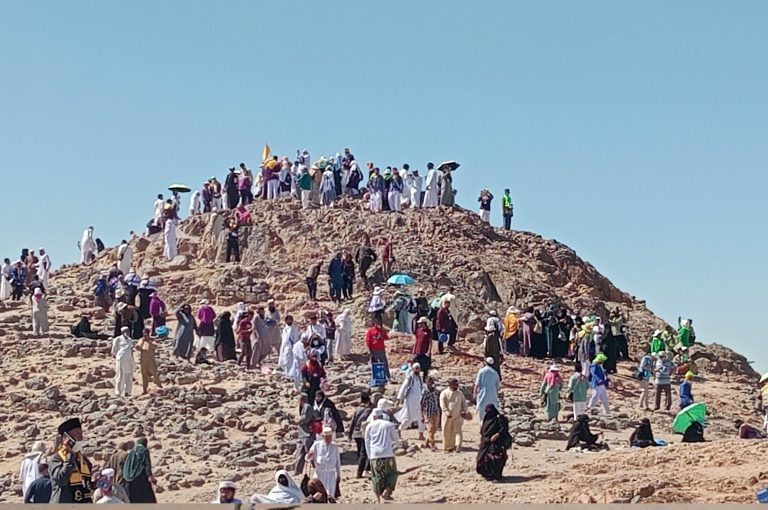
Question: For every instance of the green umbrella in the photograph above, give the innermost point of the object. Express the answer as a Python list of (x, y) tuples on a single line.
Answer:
[(693, 413)]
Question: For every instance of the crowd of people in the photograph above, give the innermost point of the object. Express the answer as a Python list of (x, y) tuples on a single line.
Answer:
[(262, 337)]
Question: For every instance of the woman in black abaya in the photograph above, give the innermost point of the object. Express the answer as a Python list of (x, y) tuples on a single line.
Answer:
[(494, 443)]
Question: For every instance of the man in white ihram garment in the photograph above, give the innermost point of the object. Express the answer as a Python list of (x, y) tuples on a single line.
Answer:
[(326, 456), (44, 268), (409, 397), (288, 338), (122, 350), (87, 246), (431, 197), (124, 257), (170, 250)]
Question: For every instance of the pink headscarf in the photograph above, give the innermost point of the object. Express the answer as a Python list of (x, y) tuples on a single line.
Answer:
[(38, 294), (552, 377)]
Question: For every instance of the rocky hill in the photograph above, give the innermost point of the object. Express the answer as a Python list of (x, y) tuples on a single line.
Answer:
[(207, 424)]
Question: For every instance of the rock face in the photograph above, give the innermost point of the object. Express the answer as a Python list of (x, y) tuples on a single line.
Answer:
[(222, 422)]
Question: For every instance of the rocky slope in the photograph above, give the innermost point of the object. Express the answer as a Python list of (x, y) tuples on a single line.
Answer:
[(219, 422)]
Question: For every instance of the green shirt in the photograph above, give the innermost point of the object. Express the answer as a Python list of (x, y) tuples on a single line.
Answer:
[(506, 201)]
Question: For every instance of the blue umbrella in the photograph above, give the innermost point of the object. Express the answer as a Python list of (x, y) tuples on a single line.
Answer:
[(401, 279)]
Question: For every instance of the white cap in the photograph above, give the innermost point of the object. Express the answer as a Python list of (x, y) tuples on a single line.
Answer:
[(227, 485), (327, 431), (489, 360), (108, 472)]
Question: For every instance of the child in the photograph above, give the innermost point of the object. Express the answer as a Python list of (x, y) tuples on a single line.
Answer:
[(202, 357)]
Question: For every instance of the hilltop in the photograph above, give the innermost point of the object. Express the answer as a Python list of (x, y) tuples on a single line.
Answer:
[(213, 423)]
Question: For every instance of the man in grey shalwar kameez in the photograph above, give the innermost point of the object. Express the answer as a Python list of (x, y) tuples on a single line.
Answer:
[(260, 342)]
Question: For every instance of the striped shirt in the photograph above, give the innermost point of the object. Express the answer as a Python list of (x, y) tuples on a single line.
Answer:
[(429, 405)]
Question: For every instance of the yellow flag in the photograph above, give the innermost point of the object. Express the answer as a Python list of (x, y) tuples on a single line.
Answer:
[(265, 153)]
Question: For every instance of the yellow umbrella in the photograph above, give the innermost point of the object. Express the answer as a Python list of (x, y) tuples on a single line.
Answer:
[(764, 378)]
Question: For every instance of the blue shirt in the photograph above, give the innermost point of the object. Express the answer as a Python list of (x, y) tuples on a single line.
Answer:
[(598, 375), (686, 397)]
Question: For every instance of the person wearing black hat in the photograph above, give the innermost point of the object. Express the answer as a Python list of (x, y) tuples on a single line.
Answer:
[(70, 469)]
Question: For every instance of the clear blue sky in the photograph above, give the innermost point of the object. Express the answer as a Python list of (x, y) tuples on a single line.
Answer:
[(635, 132)]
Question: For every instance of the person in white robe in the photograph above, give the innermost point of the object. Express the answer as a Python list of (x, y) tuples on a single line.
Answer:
[(30, 466), (124, 257), (87, 246), (122, 350), (158, 211), (431, 196), (325, 454), (298, 362), (239, 313), (285, 491), (194, 203), (344, 325), (487, 384), (44, 268), (409, 397), (170, 249), (417, 184), (289, 337), (5, 280)]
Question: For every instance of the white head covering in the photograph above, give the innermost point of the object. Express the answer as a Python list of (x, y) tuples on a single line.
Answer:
[(489, 360), (377, 290), (227, 485), (108, 472), (281, 494), (554, 368)]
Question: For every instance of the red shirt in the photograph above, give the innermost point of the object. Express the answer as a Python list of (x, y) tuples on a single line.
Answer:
[(374, 338), (423, 341), (443, 320)]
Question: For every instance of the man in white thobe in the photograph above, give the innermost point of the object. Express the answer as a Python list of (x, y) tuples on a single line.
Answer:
[(431, 196), (326, 455), (122, 350), (87, 246), (410, 398), (194, 203), (417, 184), (298, 362), (158, 211), (170, 250), (124, 257), (344, 324), (44, 268), (289, 337)]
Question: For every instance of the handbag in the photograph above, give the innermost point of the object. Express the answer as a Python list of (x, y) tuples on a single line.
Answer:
[(316, 427), (443, 337), (537, 328)]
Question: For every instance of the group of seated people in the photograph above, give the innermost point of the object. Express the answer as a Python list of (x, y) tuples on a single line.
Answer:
[(582, 437)]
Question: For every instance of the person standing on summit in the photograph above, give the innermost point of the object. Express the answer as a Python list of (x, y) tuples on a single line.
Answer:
[(507, 209), (485, 200)]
